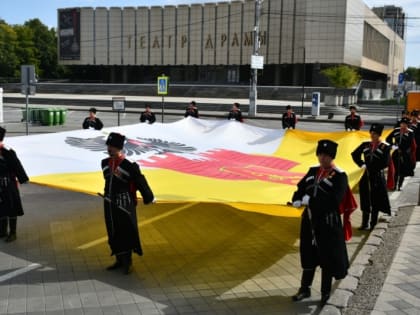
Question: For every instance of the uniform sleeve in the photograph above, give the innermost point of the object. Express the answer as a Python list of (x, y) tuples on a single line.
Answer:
[(142, 117), (390, 138), (142, 185), (85, 123), (301, 189), (18, 168), (99, 124), (341, 187), (346, 124), (152, 118), (357, 155)]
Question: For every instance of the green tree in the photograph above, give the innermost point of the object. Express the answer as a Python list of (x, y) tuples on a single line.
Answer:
[(342, 76), (9, 60), (413, 74), (45, 41), (26, 50)]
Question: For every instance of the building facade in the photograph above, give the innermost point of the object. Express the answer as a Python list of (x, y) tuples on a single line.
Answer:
[(213, 42), (394, 17)]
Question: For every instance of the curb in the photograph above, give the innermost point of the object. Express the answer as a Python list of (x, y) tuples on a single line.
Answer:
[(346, 288)]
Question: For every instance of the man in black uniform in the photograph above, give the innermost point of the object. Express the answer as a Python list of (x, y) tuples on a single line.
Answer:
[(122, 179), (404, 154), (192, 110), (11, 171), (353, 121), (235, 113), (322, 242), (289, 118), (148, 115), (415, 127), (92, 122), (373, 156), (405, 114)]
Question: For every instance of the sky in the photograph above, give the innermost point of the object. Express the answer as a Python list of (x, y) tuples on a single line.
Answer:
[(19, 11)]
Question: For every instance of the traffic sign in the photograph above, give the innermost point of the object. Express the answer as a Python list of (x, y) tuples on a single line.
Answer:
[(257, 62), (162, 85), (401, 78)]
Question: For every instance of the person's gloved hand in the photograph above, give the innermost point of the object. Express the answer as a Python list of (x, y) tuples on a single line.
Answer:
[(363, 166), (297, 203), (394, 147), (305, 200)]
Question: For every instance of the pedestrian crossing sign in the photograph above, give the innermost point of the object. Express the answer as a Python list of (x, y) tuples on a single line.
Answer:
[(162, 85)]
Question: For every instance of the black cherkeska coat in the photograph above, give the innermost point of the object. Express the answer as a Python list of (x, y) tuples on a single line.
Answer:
[(372, 185), (321, 236), (404, 157), (96, 124), (288, 120), (147, 117), (353, 122), (235, 115), (11, 170), (121, 184)]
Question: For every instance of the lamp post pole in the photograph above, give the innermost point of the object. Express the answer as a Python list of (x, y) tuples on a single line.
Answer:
[(303, 79), (254, 72)]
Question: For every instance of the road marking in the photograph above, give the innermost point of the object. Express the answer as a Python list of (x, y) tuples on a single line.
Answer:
[(18, 272), (143, 223)]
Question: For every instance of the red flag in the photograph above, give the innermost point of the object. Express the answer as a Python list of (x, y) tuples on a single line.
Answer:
[(413, 148), (347, 206), (390, 181)]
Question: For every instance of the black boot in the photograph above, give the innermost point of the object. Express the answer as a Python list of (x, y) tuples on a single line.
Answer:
[(305, 286), (365, 221), (326, 283), (3, 227), (126, 263), (12, 226), (374, 219), (117, 264), (400, 183)]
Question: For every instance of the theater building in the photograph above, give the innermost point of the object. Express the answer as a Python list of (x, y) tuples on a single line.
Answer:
[(213, 42)]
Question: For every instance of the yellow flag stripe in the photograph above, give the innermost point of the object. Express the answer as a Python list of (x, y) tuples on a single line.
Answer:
[(143, 223)]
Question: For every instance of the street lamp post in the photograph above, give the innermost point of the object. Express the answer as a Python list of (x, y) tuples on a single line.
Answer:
[(303, 79), (254, 74)]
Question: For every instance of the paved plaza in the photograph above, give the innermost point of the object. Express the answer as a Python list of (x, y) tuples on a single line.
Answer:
[(198, 258)]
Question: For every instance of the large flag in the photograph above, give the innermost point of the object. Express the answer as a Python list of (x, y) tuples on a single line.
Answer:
[(191, 160)]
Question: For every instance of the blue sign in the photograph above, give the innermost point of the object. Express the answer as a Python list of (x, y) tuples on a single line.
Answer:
[(315, 99), (162, 85), (401, 78)]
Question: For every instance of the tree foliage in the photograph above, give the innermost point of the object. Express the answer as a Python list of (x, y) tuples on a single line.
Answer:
[(413, 74), (9, 60), (342, 76), (29, 44)]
